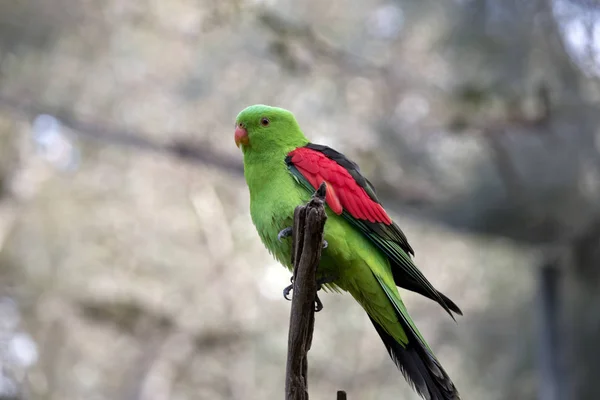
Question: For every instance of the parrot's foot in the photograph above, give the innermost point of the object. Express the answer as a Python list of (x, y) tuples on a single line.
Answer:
[(288, 289), (287, 232), (318, 304), (320, 283), (284, 233)]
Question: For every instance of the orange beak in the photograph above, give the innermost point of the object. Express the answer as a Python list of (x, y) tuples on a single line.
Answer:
[(241, 136)]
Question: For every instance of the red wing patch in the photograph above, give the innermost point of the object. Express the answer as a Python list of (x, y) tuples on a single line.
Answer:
[(343, 192)]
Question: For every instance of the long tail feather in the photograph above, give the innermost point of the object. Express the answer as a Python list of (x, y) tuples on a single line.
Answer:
[(414, 358), (419, 367)]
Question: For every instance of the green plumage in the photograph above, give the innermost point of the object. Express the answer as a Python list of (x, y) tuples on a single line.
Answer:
[(361, 267)]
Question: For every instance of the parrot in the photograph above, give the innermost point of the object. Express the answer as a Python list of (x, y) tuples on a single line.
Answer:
[(365, 253)]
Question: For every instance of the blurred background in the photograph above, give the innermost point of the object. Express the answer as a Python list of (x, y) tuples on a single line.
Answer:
[(130, 269)]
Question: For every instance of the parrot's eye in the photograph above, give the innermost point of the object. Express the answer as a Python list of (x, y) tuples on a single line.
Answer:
[(264, 121)]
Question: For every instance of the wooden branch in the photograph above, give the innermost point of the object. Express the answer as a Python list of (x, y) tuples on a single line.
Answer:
[(197, 153), (307, 237)]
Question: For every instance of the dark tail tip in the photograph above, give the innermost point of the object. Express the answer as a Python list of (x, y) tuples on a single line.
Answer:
[(450, 304), (420, 368)]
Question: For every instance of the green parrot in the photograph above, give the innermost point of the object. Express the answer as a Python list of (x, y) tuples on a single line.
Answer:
[(365, 253)]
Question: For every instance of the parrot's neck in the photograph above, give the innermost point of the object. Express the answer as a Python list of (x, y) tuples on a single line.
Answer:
[(264, 171), (274, 194)]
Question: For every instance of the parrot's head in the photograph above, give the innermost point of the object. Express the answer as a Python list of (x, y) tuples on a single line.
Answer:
[(262, 129)]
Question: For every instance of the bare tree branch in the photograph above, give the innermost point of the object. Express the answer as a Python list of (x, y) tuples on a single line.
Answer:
[(192, 152), (307, 236)]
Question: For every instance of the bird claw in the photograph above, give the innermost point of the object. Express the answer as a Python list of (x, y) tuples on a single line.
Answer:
[(320, 283), (284, 233), (287, 232), (288, 289), (318, 303), (286, 292)]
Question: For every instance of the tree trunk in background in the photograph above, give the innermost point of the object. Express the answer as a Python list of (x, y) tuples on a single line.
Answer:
[(544, 210), (551, 379), (582, 316)]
